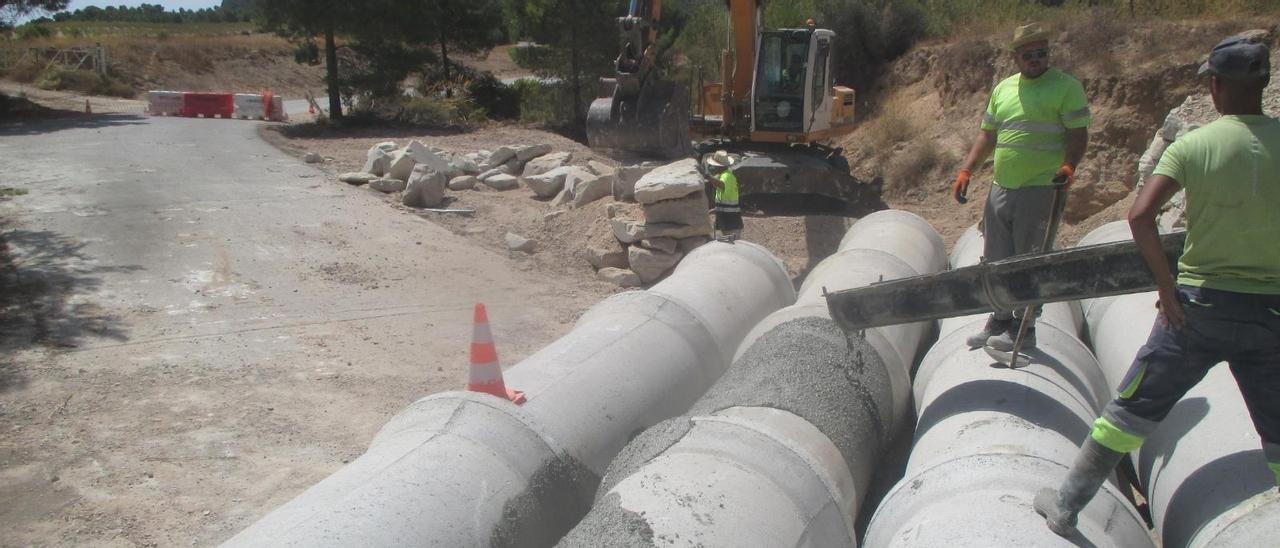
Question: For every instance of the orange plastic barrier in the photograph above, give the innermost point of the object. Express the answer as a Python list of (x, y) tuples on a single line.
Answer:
[(208, 105)]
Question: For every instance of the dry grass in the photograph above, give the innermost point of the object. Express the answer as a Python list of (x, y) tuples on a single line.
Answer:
[(896, 121), (911, 171)]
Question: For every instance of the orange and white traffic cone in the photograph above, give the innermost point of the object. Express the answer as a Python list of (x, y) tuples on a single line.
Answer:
[(486, 374)]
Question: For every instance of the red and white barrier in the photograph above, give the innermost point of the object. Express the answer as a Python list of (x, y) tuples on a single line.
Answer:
[(248, 106), (259, 106)]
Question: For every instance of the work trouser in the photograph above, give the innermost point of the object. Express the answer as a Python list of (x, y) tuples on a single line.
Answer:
[(1014, 222), (1238, 328)]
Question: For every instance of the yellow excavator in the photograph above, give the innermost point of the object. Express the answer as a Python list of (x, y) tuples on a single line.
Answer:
[(775, 105)]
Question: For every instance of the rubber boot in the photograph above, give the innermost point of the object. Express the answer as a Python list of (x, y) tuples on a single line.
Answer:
[(1061, 507), (994, 327)]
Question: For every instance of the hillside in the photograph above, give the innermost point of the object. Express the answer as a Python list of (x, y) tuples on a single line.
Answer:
[(927, 106)]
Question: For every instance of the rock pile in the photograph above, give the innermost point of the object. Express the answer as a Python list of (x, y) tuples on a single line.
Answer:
[(659, 211), (651, 236)]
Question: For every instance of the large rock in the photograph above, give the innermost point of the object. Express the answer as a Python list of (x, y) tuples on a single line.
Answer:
[(628, 231), (529, 152), (465, 182), (675, 180), (313, 158), (498, 157), (549, 184), (402, 163), (606, 255), (665, 245), (619, 276), (387, 185), (463, 165), (502, 182), (425, 188), (624, 185), (357, 178), (432, 159), (377, 161), (516, 242), (544, 164), (601, 168), (572, 181), (590, 190), (650, 264), (387, 146), (690, 210), (500, 170)]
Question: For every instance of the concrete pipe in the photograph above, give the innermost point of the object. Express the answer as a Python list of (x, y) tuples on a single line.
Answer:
[(1202, 471), (781, 451), (466, 469), (988, 438)]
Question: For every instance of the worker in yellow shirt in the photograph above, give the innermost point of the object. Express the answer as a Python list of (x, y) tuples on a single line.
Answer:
[(1037, 125), (728, 211)]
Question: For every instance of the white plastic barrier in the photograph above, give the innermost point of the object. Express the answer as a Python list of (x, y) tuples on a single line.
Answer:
[(164, 103), (252, 106)]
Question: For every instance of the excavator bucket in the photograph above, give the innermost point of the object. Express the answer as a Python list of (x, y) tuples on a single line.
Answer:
[(653, 123)]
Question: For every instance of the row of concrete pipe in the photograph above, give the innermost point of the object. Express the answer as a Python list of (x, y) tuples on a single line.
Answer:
[(1202, 471), (782, 449), (988, 437)]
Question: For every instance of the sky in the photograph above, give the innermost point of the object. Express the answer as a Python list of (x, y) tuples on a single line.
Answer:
[(169, 5)]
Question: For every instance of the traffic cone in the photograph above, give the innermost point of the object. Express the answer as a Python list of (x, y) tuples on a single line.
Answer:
[(311, 108), (87, 110), (486, 374)]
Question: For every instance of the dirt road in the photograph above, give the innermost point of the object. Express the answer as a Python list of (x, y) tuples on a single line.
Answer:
[(194, 327)]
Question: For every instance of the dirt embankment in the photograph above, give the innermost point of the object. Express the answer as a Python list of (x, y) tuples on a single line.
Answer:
[(929, 103)]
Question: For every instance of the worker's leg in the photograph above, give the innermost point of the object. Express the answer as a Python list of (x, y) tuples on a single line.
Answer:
[(997, 236), (1031, 212), (1255, 363), (1166, 367)]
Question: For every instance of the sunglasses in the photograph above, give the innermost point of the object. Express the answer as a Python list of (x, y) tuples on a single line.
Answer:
[(1035, 54)]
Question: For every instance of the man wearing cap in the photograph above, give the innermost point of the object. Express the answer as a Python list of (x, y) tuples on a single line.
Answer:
[(1225, 302), (1037, 125), (728, 212)]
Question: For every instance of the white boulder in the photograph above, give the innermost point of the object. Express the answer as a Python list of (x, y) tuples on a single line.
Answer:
[(590, 190), (526, 153), (425, 188), (619, 276), (689, 210), (516, 242), (650, 264), (377, 162), (357, 178), (387, 185), (465, 182), (502, 182), (544, 164), (675, 180)]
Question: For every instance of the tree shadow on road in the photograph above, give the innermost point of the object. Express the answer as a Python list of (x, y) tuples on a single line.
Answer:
[(46, 288), (16, 127)]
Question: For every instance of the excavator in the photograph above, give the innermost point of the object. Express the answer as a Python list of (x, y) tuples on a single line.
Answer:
[(774, 105)]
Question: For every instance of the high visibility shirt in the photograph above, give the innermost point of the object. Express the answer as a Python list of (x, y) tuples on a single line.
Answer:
[(1030, 117), (1231, 172), (727, 195)]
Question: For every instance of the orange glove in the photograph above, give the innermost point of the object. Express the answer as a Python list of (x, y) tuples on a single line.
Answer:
[(960, 188), (1065, 176)]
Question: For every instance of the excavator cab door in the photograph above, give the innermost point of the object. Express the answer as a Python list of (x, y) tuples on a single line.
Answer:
[(818, 99)]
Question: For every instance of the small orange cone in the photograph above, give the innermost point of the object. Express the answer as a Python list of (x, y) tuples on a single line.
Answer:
[(87, 110), (486, 374)]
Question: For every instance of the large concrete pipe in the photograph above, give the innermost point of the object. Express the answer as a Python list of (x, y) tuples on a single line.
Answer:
[(465, 469), (988, 438), (780, 452), (1202, 471)]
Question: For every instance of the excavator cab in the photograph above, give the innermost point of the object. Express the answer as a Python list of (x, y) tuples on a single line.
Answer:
[(792, 94)]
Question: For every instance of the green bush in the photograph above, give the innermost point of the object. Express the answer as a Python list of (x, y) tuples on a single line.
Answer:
[(498, 100), (544, 104), (83, 81), (528, 57), (34, 31)]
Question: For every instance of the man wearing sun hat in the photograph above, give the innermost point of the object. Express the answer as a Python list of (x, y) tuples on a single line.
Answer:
[(728, 211), (1036, 123), (1224, 304)]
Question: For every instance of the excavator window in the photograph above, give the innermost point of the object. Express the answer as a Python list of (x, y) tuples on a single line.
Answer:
[(780, 80)]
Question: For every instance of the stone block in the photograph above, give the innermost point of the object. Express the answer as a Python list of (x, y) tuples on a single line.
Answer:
[(665, 245), (632, 231), (516, 242), (547, 185), (690, 210), (387, 185), (498, 157), (590, 190), (465, 182), (377, 162), (402, 163), (502, 182), (357, 178), (650, 264), (624, 185), (425, 188), (674, 180), (544, 164), (526, 153), (619, 276)]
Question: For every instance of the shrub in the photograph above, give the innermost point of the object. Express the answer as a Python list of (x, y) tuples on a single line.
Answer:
[(83, 81), (34, 32), (498, 100)]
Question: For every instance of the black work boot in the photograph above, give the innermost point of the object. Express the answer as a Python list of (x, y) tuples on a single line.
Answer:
[(1061, 507), (994, 327)]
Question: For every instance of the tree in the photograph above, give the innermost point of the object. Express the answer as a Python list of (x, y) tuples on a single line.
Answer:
[(304, 19), (583, 36), (12, 10)]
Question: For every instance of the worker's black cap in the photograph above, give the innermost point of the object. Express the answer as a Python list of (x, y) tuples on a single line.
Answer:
[(1238, 58)]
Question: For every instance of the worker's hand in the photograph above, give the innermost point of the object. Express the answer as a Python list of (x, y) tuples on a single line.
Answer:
[(960, 188), (1171, 313), (1064, 177)]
